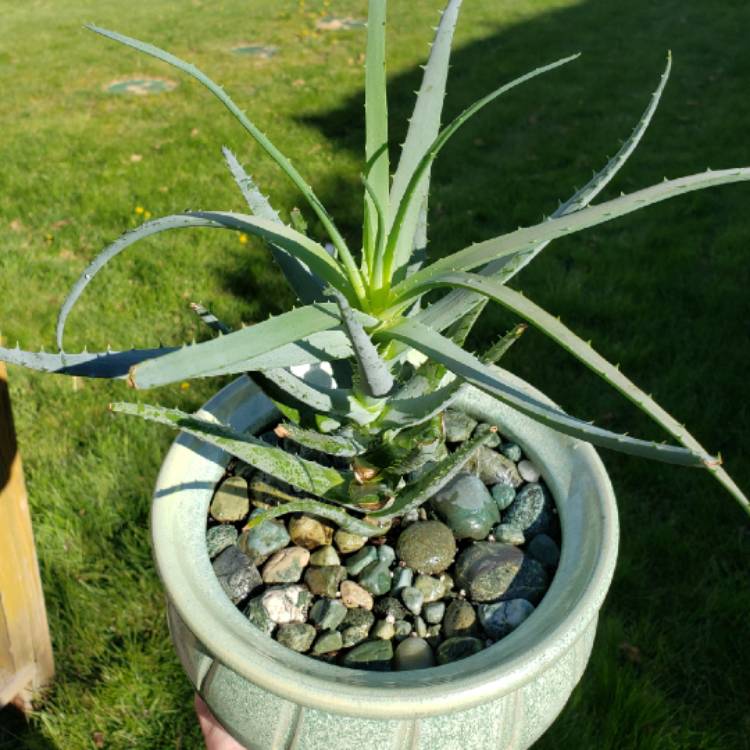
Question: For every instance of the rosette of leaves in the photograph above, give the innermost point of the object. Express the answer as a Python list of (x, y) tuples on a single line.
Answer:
[(362, 316)]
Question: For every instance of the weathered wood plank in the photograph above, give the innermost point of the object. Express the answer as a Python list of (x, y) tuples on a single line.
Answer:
[(26, 663)]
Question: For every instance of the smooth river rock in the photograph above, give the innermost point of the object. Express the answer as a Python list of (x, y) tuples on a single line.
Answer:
[(494, 468), (286, 565), (532, 511), (413, 653), (467, 507), (237, 574), (486, 570), (427, 546), (501, 618), (231, 503), (456, 648), (260, 542), (372, 655)]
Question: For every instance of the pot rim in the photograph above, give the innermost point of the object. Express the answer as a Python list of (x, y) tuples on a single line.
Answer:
[(588, 515)]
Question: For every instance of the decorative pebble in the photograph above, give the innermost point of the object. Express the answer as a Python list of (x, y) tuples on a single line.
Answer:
[(327, 642), (486, 570), (386, 554), (325, 555), (356, 625), (390, 606), (458, 426), (493, 468), (383, 629), (434, 612), (460, 619), (260, 542), (420, 627), (501, 618), (456, 648), (432, 588), (231, 503), (413, 598), (236, 573), (508, 534), (427, 546), (218, 538), (284, 604), (360, 560), (372, 655), (544, 549), (309, 532), (328, 614), (413, 653), (528, 472), (512, 451), (503, 495), (376, 578), (297, 636), (402, 629), (325, 581), (467, 507), (348, 543), (286, 565), (353, 595), (531, 511), (434, 635), (402, 578), (531, 582), (256, 613)]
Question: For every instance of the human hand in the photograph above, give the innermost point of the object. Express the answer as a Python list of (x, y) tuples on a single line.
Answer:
[(216, 737)]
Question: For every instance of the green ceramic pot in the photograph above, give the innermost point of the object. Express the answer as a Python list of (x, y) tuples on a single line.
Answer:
[(269, 697)]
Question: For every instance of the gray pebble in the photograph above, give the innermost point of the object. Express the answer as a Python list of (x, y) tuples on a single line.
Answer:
[(325, 555), (413, 653), (501, 618), (420, 627), (460, 619), (494, 468), (402, 629), (531, 511), (432, 588), (413, 598), (260, 542), (355, 627), (383, 630), (231, 503), (236, 573), (389, 606), (458, 426), (544, 549), (456, 648), (434, 612), (486, 570), (256, 613), (285, 604), (528, 471), (218, 538)]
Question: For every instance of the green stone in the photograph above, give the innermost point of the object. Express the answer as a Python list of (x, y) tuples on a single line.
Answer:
[(458, 426), (347, 542), (456, 648), (402, 629), (431, 588), (328, 614), (231, 503), (508, 534), (376, 578), (286, 565), (360, 560), (325, 555), (413, 598), (390, 606), (460, 619), (383, 629), (426, 546), (512, 451), (325, 581), (434, 612), (493, 468), (260, 542), (329, 641), (218, 538), (486, 570), (297, 636), (503, 495), (372, 655), (356, 625), (256, 613), (466, 505)]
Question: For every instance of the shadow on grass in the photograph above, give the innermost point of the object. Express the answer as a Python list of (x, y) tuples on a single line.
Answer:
[(16, 733)]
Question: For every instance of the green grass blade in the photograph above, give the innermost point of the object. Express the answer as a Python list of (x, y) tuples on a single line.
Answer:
[(263, 141), (306, 286), (376, 125), (484, 377), (400, 243), (307, 476), (527, 237)]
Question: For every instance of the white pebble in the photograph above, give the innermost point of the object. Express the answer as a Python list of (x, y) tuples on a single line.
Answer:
[(528, 472)]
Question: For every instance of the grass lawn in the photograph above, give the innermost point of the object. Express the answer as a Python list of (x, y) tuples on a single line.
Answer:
[(664, 292)]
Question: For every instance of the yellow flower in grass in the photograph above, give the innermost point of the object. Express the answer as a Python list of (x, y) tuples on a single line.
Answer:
[(139, 210), (243, 238)]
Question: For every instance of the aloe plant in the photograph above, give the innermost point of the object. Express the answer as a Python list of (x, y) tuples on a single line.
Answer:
[(398, 363)]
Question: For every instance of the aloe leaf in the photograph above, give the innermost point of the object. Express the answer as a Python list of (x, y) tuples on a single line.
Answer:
[(444, 310), (305, 475), (436, 478), (236, 351), (376, 124), (306, 286), (373, 250), (406, 412), (262, 140), (400, 237), (500, 348), (484, 377), (562, 335), (341, 518), (109, 364), (333, 445), (528, 237)]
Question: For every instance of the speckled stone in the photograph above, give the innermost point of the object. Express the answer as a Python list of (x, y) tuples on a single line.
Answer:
[(309, 532), (413, 598), (218, 538), (494, 468), (383, 630), (413, 653), (467, 507), (528, 471), (285, 604), (236, 573), (328, 614), (327, 642), (389, 606), (460, 619), (260, 542), (297, 636), (501, 618), (360, 560), (356, 626), (544, 549), (456, 648), (371, 655), (402, 577), (427, 546), (503, 495), (256, 613), (512, 451), (325, 555), (508, 534), (376, 578), (434, 612), (324, 581), (231, 503), (531, 511), (347, 543), (458, 426), (353, 596), (486, 570), (432, 588), (286, 565)]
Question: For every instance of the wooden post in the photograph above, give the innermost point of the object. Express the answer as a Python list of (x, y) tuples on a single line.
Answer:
[(26, 663)]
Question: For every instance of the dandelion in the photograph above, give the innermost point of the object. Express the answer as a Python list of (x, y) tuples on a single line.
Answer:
[(184, 385), (139, 209), (243, 238)]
